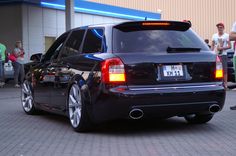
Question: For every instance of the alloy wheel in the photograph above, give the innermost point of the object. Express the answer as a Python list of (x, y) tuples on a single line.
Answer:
[(27, 97), (75, 105)]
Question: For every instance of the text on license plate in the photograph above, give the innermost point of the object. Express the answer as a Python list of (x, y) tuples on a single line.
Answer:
[(173, 70)]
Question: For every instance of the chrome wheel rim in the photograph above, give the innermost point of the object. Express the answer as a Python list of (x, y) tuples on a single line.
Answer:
[(26, 97), (75, 105)]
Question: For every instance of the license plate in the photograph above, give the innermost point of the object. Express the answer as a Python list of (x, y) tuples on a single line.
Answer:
[(173, 71), (49, 78)]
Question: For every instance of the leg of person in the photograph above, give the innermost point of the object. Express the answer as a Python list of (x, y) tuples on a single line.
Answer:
[(1, 74), (22, 73), (234, 61), (225, 68), (224, 65), (16, 73)]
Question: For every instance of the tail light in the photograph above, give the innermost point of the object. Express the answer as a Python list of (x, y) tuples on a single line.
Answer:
[(113, 71), (219, 69)]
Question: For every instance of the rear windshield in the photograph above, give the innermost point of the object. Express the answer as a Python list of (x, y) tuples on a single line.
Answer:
[(155, 41)]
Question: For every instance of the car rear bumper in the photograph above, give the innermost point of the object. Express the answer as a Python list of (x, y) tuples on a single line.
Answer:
[(161, 102)]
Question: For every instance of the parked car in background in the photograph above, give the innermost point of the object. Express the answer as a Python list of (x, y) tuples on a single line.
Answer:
[(131, 70), (8, 71)]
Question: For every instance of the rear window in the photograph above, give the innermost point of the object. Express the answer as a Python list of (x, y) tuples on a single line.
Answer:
[(154, 41)]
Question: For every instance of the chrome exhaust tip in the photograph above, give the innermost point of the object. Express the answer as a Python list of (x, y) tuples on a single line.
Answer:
[(214, 108), (136, 114)]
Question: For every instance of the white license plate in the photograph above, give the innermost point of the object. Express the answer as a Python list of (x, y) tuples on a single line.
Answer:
[(173, 70)]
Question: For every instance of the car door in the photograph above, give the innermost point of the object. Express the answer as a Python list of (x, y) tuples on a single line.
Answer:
[(76, 58), (43, 75), (65, 69), (89, 61), (93, 45)]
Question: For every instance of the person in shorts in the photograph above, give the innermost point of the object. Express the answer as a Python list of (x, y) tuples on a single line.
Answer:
[(221, 43)]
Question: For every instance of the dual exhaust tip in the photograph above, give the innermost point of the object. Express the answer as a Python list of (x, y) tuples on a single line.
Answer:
[(214, 108), (138, 113)]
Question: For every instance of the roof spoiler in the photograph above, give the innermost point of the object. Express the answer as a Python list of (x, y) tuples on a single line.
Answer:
[(153, 25)]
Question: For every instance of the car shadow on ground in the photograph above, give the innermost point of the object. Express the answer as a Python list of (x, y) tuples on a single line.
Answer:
[(171, 125), (130, 127)]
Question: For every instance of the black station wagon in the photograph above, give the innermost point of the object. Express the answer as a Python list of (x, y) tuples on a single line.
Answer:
[(132, 70)]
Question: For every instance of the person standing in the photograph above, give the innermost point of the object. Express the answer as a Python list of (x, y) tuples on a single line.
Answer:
[(2, 61), (207, 42), (220, 43), (232, 37), (18, 65)]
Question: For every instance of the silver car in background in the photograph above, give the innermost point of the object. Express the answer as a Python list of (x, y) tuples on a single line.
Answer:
[(8, 71)]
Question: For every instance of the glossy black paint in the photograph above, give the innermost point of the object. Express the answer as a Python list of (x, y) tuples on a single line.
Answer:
[(52, 77)]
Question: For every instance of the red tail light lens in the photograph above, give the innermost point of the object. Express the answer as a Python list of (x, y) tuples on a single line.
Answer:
[(219, 69), (113, 71)]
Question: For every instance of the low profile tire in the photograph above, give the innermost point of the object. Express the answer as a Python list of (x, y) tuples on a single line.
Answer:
[(198, 119), (27, 98), (77, 111)]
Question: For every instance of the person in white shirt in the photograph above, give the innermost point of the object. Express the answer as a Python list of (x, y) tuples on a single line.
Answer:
[(220, 40), (232, 37), (220, 43)]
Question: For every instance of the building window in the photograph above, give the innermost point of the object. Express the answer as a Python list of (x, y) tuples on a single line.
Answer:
[(48, 42)]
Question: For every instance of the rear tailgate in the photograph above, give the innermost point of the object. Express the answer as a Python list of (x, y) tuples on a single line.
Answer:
[(160, 52), (151, 69)]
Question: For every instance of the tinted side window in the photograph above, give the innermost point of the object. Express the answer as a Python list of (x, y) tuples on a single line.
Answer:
[(73, 44), (54, 50), (93, 41)]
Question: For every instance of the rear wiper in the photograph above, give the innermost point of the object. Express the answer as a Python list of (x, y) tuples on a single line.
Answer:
[(174, 50)]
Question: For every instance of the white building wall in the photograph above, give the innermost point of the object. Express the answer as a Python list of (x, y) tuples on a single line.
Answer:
[(40, 22), (32, 30)]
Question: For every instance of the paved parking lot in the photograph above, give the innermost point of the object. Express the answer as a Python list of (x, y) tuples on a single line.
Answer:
[(48, 134)]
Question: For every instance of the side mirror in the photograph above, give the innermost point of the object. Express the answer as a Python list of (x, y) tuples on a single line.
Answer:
[(36, 57)]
